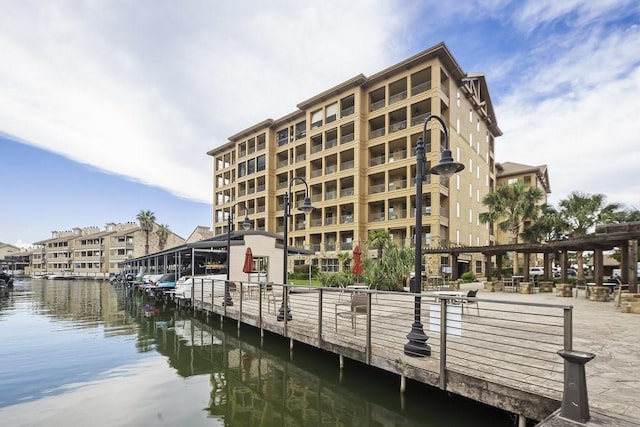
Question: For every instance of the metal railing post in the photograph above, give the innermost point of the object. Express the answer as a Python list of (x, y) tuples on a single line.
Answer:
[(320, 296), (443, 344), (368, 339), (568, 328)]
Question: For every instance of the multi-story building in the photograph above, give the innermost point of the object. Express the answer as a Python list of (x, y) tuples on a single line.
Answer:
[(531, 176), (90, 252), (354, 144)]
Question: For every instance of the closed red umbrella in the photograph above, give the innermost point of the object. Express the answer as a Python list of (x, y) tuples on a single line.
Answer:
[(357, 262), (248, 261)]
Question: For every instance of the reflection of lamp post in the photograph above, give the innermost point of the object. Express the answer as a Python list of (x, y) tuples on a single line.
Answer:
[(246, 224), (417, 345), (305, 208)]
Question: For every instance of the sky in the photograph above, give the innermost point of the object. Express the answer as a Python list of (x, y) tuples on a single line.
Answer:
[(108, 107)]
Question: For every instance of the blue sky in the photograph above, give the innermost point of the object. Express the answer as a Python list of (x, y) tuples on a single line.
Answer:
[(109, 108)]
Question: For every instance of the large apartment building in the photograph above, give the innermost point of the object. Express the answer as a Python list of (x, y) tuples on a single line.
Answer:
[(91, 252), (354, 144)]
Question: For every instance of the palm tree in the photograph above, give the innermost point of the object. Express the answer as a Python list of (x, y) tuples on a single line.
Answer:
[(550, 225), (343, 259), (512, 206), (146, 219), (163, 234), (583, 211), (380, 239)]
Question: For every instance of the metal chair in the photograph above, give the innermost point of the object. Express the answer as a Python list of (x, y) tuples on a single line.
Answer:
[(359, 306), (467, 302)]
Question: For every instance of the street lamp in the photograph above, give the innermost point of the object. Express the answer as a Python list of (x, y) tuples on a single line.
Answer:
[(246, 224), (305, 208), (417, 345)]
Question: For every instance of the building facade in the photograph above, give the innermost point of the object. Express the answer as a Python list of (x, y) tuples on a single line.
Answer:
[(91, 252), (354, 144)]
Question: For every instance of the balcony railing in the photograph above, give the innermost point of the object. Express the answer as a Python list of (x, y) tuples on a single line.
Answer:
[(397, 155), (331, 143), (346, 192), (347, 111), (316, 222), (376, 105), (378, 160), (316, 148), (376, 188), (347, 138), (347, 165), (329, 220), (418, 120), (330, 169), (422, 87), (346, 219), (376, 133), (316, 173), (330, 195), (316, 198), (397, 97), (346, 246), (316, 125), (300, 157), (398, 126), (282, 163), (397, 184), (377, 217)]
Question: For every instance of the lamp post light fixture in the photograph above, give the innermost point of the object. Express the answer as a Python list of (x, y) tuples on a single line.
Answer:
[(417, 345), (306, 208), (246, 224)]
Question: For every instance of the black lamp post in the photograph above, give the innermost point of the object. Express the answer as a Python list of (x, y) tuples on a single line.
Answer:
[(305, 208), (246, 224), (417, 345)]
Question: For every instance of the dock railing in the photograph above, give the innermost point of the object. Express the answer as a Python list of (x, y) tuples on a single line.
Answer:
[(511, 344)]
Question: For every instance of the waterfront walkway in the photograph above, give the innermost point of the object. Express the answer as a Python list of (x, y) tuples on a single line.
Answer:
[(613, 377), (505, 357)]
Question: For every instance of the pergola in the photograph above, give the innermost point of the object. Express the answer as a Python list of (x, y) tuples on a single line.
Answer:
[(606, 237)]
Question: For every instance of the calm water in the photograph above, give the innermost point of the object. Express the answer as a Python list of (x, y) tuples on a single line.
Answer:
[(82, 353)]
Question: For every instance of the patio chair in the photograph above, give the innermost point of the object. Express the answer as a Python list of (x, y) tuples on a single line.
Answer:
[(467, 302), (351, 310)]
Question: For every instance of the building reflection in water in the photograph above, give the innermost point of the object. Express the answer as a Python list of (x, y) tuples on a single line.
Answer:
[(251, 383)]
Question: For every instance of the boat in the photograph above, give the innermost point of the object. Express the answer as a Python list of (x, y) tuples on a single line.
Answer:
[(6, 280), (60, 276)]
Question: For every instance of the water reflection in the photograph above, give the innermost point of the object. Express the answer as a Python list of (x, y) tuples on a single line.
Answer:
[(89, 353)]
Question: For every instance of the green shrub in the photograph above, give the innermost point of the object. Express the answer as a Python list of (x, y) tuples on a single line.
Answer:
[(468, 277)]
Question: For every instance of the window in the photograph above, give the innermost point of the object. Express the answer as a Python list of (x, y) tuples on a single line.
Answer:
[(332, 112), (458, 126), (478, 265), (261, 163), (242, 169), (470, 139), (512, 181), (251, 166), (470, 115), (458, 98), (316, 119)]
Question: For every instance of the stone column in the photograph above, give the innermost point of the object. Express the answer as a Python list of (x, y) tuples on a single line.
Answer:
[(633, 266)]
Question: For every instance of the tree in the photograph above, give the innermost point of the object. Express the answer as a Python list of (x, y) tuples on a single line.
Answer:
[(380, 239), (583, 211), (511, 206), (343, 259), (163, 234), (146, 219), (550, 225)]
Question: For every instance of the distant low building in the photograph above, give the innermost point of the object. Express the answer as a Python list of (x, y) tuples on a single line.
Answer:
[(91, 252)]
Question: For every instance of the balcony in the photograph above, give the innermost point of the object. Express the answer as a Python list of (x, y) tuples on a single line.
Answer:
[(330, 169), (317, 222), (346, 246), (398, 184), (397, 97), (330, 246), (347, 165), (346, 219), (376, 133), (377, 105), (316, 148), (347, 111), (376, 188), (418, 120), (420, 88), (329, 220), (347, 138), (316, 173), (377, 217), (316, 125), (346, 192), (378, 160), (331, 143), (330, 195), (300, 158), (398, 126)]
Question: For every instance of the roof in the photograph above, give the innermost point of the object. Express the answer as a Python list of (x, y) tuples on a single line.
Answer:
[(507, 169)]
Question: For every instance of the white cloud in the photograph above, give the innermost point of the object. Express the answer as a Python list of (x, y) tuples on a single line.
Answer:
[(145, 91), (577, 114)]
